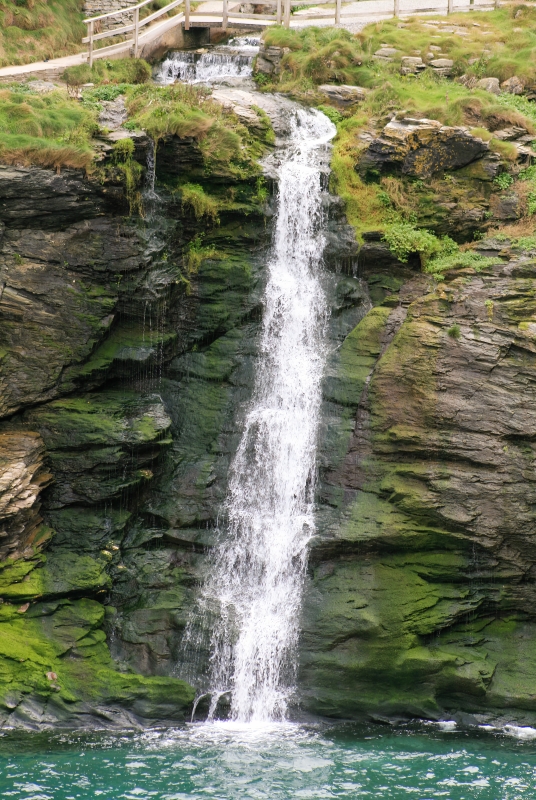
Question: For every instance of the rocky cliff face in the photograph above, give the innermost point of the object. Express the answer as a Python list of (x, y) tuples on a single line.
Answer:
[(121, 369), (421, 588), (125, 371)]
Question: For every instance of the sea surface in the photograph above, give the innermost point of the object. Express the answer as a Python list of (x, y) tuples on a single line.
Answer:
[(227, 761)]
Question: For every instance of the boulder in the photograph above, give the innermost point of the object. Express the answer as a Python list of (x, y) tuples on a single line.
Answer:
[(386, 53), (421, 147), (113, 114), (442, 66), (42, 87), (469, 81), (513, 85), (268, 61), (342, 95), (489, 85), (411, 65)]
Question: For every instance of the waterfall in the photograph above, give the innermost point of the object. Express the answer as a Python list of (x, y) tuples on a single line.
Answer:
[(191, 67), (259, 562)]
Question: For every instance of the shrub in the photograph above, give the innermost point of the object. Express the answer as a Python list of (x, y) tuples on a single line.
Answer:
[(331, 113), (404, 239)]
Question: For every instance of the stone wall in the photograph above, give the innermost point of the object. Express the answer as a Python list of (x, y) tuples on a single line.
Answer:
[(94, 8)]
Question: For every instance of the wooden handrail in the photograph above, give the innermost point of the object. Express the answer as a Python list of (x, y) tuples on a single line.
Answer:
[(282, 14)]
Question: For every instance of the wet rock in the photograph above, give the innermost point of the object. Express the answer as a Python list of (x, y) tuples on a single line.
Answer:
[(421, 147), (428, 540), (22, 478), (489, 85), (343, 96)]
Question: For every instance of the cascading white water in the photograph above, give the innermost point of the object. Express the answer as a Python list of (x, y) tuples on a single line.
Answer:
[(258, 566), (191, 67)]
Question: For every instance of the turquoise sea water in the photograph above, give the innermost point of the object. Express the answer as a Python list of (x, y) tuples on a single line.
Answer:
[(228, 762)]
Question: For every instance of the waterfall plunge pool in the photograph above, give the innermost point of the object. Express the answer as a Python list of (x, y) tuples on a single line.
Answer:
[(277, 762)]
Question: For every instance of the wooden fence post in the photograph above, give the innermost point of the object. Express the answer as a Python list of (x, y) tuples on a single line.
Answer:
[(287, 14), (90, 34), (396, 10), (279, 12), (338, 12), (450, 6), (136, 30), (224, 16), (186, 15)]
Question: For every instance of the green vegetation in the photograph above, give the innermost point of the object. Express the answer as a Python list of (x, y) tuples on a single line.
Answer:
[(437, 254), (131, 171), (196, 253), (31, 30), (502, 41), (407, 210), (318, 55), (454, 331), (187, 111), (203, 205), (105, 71), (49, 130)]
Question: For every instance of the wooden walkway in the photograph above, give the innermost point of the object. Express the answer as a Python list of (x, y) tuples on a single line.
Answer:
[(224, 15), (135, 32)]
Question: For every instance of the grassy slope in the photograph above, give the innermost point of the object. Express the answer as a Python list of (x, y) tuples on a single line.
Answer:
[(504, 42), (31, 30), (56, 130)]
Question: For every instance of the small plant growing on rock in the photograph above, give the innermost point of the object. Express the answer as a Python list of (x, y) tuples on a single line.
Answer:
[(196, 253), (489, 308), (193, 196), (123, 158), (454, 331), (503, 181)]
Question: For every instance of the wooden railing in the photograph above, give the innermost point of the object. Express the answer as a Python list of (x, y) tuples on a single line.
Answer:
[(337, 11), (133, 27)]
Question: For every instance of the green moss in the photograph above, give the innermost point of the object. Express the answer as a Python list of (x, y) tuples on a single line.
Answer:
[(56, 653), (203, 205), (357, 357), (126, 343), (61, 574)]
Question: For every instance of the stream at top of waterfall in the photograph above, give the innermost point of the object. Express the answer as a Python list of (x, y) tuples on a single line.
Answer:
[(275, 762)]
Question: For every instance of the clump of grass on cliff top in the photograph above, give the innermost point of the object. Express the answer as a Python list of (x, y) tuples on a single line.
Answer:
[(105, 71), (317, 55), (186, 111), (49, 130), (31, 30)]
